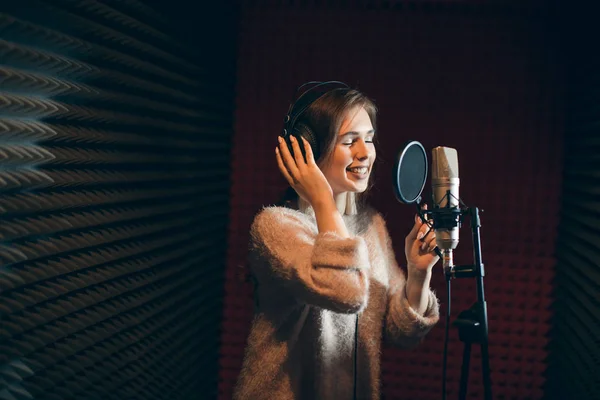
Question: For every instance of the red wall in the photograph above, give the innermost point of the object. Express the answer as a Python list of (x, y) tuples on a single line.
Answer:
[(483, 81)]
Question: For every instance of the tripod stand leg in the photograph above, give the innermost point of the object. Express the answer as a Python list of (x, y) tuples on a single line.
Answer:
[(464, 373), (485, 367)]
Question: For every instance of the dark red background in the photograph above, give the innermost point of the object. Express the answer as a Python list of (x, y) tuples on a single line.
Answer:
[(481, 80)]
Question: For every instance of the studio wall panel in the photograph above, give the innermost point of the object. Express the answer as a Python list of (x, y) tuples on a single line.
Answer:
[(114, 183), (574, 351)]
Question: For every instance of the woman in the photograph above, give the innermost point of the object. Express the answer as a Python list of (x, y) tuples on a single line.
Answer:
[(324, 266)]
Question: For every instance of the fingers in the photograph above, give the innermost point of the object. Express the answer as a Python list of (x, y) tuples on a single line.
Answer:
[(419, 230), (424, 231), (297, 153), (293, 166), (419, 224), (310, 158), (426, 234), (412, 235), (282, 167), (432, 245), (429, 244), (422, 236), (287, 159)]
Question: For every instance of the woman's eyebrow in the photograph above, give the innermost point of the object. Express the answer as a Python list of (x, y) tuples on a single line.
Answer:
[(354, 133)]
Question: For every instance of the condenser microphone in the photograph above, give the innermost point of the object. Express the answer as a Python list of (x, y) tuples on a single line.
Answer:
[(446, 201)]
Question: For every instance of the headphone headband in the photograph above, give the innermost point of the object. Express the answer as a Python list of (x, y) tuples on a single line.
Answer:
[(305, 100)]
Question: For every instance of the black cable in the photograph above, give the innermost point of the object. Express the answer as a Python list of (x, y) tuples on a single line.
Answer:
[(355, 354), (446, 340)]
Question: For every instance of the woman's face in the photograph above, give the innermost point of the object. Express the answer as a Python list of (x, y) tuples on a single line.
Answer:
[(353, 149)]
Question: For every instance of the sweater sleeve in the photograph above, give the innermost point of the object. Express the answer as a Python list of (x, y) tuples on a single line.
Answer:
[(320, 269), (404, 327)]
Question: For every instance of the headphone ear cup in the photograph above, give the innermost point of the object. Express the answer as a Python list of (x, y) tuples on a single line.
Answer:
[(302, 130)]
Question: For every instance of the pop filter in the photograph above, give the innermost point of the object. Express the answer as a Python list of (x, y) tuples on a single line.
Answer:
[(410, 173)]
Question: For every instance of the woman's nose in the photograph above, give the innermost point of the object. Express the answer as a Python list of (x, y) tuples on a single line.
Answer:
[(362, 152)]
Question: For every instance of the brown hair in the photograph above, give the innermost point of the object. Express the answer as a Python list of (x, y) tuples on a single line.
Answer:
[(325, 117)]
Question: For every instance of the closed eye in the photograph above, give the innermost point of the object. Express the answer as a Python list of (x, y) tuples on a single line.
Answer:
[(349, 144)]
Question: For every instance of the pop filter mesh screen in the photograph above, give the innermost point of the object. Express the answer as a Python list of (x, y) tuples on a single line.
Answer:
[(412, 172)]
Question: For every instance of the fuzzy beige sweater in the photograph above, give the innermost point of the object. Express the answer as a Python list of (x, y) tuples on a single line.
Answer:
[(310, 288)]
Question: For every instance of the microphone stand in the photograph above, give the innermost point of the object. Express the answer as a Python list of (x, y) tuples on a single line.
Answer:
[(472, 323)]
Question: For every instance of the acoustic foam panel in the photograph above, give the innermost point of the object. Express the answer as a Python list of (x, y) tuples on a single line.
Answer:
[(574, 351), (114, 149)]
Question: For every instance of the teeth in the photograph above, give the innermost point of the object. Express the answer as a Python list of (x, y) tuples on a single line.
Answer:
[(359, 170)]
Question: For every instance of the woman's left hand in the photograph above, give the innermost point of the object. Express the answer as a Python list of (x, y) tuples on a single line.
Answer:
[(419, 248)]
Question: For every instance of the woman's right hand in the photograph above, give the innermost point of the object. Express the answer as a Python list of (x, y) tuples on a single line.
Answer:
[(306, 178)]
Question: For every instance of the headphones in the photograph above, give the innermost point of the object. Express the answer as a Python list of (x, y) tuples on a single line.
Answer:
[(297, 108)]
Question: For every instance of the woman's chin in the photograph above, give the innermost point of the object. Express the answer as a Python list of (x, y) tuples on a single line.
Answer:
[(352, 185), (357, 187)]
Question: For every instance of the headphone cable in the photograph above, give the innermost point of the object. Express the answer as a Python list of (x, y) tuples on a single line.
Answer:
[(355, 354)]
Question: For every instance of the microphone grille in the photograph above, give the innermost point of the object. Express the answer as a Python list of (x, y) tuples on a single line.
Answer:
[(445, 162)]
